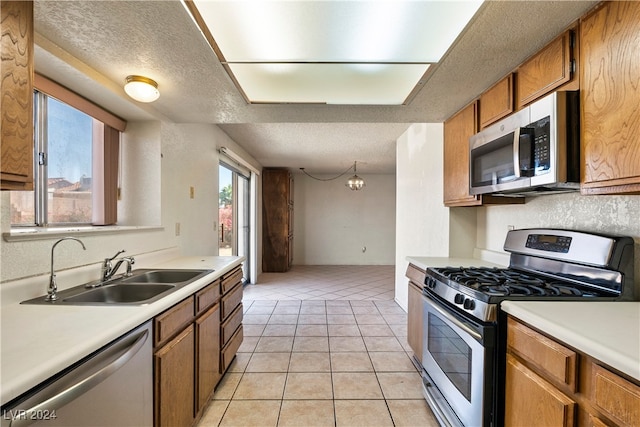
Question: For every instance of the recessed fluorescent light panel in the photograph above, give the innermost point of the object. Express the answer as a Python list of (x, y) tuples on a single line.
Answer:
[(331, 51)]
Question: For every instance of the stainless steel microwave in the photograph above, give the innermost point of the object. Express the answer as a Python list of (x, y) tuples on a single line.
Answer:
[(534, 151)]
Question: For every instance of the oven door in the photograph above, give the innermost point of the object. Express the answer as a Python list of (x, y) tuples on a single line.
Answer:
[(458, 360)]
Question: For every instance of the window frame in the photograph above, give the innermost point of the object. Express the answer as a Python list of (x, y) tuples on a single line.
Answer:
[(107, 129)]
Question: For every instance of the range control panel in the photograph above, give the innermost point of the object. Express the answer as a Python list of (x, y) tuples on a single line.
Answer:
[(549, 242)]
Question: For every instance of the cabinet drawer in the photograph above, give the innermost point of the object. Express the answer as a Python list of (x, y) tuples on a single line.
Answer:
[(230, 301), (230, 325), (416, 275), (172, 321), (617, 397), (549, 357), (532, 401), (230, 350), (207, 296), (231, 279)]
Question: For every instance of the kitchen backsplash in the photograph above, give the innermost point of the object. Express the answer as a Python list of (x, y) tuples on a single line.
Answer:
[(609, 214)]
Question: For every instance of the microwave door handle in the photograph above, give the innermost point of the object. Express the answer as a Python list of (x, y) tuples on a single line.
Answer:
[(516, 152)]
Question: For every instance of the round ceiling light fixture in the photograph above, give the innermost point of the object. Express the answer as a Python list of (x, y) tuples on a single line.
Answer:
[(142, 89)]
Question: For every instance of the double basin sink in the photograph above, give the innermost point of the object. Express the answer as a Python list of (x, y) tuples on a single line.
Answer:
[(144, 286)]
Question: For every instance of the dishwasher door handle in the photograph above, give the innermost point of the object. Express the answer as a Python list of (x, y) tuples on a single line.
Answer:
[(122, 351)]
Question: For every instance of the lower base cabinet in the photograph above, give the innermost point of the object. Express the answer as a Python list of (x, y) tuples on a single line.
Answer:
[(415, 320), (231, 314), (187, 354), (174, 381), (550, 384), (208, 355), (415, 309), (193, 348), (533, 401)]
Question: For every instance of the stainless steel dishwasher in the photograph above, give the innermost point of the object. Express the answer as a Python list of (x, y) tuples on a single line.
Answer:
[(112, 387)]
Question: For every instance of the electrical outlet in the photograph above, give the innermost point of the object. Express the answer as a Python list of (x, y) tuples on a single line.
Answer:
[(192, 192), (177, 228)]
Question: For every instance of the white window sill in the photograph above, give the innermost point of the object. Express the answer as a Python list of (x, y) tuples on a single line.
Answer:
[(38, 233)]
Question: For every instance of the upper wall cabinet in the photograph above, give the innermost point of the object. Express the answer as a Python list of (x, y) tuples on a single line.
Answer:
[(16, 103), (457, 131), (547, 70), (610, 98), (497, 102)]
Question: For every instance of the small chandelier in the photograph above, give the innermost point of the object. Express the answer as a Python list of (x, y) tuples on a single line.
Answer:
[(355, 183)]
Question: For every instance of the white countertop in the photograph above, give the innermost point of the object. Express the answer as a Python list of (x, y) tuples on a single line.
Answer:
[(606, 331), (424, 262), (39, 341)]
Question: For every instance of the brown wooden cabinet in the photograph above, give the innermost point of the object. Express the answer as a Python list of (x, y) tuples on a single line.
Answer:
[(415, 317), (457, 131), (231, 313), (547, 70), (277, 220), (16, 103), (497, 102), (610, 122), (550, 384), (616, 397), (187, 357), (207, 355), (532, 401), (207, 329), (174, 381)]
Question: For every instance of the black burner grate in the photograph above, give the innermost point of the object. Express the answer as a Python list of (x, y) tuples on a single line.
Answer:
[(509, 282)]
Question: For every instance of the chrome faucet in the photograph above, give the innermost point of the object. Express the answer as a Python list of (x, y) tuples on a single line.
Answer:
[(52, 290), (129, 260), (108, 270)]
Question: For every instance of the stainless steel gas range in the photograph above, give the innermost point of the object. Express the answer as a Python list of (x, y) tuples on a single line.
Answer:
[(464, 331)]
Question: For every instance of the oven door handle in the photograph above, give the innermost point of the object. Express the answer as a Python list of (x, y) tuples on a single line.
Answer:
[(452, 319), (431, 399)]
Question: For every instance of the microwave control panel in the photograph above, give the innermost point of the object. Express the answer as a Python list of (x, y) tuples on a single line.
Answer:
[(541, 145)]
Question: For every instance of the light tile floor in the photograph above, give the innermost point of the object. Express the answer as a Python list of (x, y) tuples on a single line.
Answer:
[(322, 282), (323, 346)]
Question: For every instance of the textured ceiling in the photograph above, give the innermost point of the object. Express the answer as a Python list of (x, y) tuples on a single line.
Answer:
[(91, 46)]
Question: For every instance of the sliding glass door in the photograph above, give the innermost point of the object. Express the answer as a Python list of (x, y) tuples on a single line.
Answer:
[(233, 214)]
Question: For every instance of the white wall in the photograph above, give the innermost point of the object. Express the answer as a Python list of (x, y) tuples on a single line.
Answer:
[(140, 174), (422, 221), (190, 160), (333, 224)]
